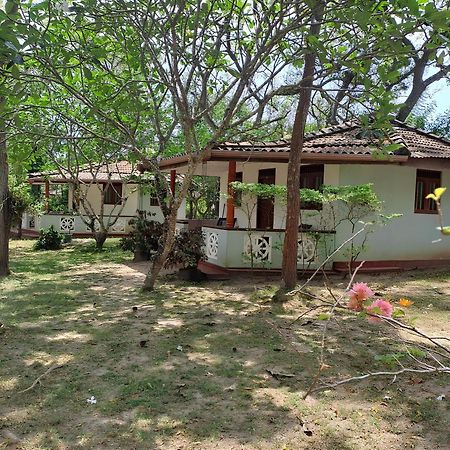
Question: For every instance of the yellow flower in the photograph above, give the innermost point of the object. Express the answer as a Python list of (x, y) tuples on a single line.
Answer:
[(437, 194), (405, 302)]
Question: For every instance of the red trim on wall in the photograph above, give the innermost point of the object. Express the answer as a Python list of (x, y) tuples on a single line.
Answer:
[(392, 265)]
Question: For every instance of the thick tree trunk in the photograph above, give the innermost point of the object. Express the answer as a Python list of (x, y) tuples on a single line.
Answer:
[(100, 238), (4, 208), (411, 101), (158, 263), (289, 266)]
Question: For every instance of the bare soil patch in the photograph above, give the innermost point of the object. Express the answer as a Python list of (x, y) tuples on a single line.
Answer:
[(191, 367)]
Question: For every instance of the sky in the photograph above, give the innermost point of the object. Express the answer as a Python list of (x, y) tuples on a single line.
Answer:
[(440, 93), (441, 96)]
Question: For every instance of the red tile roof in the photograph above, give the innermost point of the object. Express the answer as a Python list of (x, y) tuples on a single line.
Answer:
[(115, 171), (348, 139)]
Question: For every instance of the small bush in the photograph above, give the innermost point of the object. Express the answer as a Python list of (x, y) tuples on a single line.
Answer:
[(147, 240), (49, 239), (146, 237), (67, 238), (188, 249)]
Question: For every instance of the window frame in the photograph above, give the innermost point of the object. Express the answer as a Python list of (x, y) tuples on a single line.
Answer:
[(431, 179), (309, 172), (110, 191)]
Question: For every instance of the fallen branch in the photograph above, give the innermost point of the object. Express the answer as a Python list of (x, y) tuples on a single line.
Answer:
[(378, 374), (39, 378), (295, 291), (335, 305)]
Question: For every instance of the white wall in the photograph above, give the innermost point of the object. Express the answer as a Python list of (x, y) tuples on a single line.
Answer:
[(413, 236), (131, 191)]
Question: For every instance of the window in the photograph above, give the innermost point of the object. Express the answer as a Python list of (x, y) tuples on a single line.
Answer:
[(153, 195), (426, 182), (154, 200), (311, 177), (238, 195), (113, 194)]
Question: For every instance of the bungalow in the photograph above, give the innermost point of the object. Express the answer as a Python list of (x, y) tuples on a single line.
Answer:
[(115, 182), (251, 234)]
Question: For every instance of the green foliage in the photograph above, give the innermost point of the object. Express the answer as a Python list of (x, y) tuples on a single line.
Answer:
[(260, 190), (147, 239), (392, 359), (49, 239), (20, 202), (357, 195), (58, 202), (202, 199), (188, 249)]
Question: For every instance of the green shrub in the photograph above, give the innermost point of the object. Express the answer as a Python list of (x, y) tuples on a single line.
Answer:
[(146, 241), (67, 238), (188, 249), (145, 238), (49, 239)]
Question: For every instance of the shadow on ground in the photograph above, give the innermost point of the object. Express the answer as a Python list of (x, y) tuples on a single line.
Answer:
[(188, 366)]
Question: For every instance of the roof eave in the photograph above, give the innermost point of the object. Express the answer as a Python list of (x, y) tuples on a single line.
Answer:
[(282, 157)]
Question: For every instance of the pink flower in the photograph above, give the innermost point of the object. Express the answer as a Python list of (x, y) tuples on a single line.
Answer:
[(358, 293), (380, 307), (355, 304), (361, 291)]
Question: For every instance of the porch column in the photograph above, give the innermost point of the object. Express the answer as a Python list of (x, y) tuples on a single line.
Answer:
[(173, 176), (47, 195), (230, 198)]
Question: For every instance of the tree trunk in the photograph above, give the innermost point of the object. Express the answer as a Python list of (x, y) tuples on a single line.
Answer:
[(158, 263), (170, 218), (411, 101), (100, 238), (419, 85), (19, 228), (4, 207), (289, 265)]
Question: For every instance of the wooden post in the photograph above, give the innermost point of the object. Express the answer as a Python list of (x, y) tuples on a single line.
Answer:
[(173, 176), (47, 195), (230, 199)]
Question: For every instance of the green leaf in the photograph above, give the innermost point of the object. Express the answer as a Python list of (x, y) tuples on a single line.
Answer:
[(438, 192), (398, 313), (323, 316), (445, 231), (87, 73)]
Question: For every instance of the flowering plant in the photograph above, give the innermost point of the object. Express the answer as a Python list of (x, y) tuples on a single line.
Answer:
[(359, 297)]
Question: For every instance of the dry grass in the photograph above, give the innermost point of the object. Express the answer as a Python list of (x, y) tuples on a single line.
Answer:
[(199, 380)]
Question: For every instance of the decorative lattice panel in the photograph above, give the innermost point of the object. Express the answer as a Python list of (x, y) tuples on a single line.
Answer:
[(306, 251), (119, 226), (212, 245), (260, 246), (67, 224), (96, 227)]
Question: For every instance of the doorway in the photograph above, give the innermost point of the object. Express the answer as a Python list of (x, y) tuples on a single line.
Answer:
[(265, 206)]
